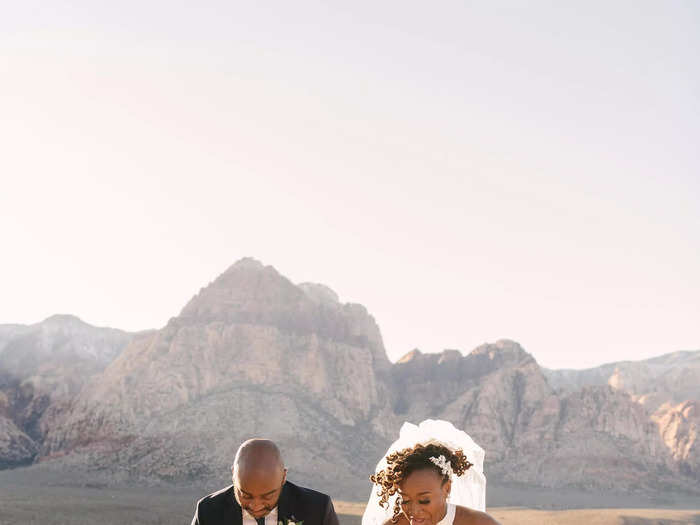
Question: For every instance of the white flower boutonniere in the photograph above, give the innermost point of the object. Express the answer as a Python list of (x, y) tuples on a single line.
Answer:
[(291, 521)]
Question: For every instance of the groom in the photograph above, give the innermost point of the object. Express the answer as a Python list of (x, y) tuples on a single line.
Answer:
[(261, 494)]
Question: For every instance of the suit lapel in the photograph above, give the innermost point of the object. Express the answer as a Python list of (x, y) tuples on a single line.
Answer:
[(283, 505), (233, 515)]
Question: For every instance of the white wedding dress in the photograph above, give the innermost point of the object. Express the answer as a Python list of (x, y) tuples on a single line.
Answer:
[(449, 515), (468, 490)]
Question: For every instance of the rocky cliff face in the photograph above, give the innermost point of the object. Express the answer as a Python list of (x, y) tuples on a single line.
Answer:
[(253, 354), (491, 392), (16, 447), (42, 369), (668, 390), (679, 427), (532, 434), (671, 378)]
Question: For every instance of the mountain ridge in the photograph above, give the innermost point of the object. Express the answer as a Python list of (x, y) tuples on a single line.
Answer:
[(254, 354)]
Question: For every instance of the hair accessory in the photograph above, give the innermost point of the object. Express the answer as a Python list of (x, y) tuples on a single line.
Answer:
[(444, 465)]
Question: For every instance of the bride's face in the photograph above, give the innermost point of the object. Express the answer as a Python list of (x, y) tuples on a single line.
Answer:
[(424, 497)]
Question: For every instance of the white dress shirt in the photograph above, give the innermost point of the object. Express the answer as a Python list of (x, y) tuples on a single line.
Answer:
[(270, 518)]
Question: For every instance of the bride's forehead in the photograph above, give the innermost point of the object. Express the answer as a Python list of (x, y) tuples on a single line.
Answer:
[(419, 481)]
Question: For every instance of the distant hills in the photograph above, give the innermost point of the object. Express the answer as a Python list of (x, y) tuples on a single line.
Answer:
[(43, 367), (671, 378), (255, 354)]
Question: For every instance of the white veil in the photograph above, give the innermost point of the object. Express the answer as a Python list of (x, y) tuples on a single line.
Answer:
[(468, 490)]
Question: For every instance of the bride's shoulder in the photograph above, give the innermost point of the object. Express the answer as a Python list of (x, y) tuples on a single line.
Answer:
[(466, 516)]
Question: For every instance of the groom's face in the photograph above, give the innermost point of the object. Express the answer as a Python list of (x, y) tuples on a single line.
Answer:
[(257, 491)]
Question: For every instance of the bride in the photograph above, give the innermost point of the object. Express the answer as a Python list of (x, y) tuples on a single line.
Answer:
[(432, 475)]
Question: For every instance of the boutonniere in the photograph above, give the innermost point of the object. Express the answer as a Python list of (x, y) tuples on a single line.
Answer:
[(290, 521)]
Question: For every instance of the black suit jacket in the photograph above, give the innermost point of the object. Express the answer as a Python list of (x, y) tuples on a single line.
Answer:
[(295, 504)]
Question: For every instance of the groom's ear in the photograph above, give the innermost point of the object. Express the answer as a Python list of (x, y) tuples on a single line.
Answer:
[(284, 477)]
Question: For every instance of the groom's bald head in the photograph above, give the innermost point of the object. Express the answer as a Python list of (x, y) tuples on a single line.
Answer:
[(258, 475), (258, 455)]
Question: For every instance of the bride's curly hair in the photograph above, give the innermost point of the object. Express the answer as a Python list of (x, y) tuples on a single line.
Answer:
[(402, 463)]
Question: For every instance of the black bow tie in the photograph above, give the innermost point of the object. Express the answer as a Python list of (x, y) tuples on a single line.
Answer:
[(261, 521)]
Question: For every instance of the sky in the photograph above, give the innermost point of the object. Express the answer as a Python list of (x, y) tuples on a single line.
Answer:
[(468, 171)]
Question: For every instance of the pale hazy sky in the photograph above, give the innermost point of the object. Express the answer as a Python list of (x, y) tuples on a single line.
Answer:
[(468, 171)]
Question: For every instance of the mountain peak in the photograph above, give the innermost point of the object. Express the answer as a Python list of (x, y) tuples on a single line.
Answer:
[(246, 263), (250, 293), (319, 292), (246, 287), (450, 356), (63, 319), (410, 356), (502, 350)]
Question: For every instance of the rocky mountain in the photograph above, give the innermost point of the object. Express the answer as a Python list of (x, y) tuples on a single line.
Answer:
[(668, 389), (250, 354), (533, 435), (254, 354), (42, 368), (670, 378), (679, 427)]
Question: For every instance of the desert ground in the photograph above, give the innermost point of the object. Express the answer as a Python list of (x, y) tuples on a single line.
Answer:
[(23, 504), (524, 516)]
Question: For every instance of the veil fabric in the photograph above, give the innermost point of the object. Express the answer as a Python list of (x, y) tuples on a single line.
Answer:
[(468, 490)]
